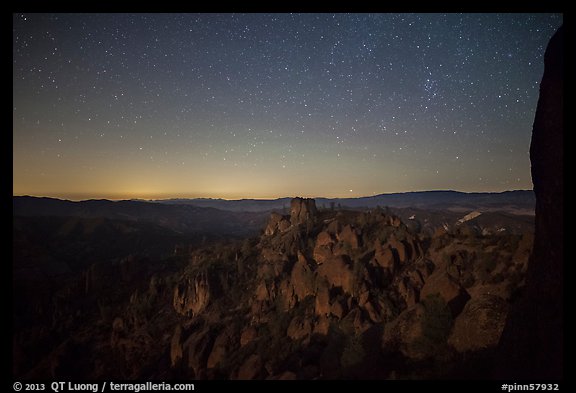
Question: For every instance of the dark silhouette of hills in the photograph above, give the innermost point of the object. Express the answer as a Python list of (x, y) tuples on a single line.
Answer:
[(178, 218), (516, 202), (248, 205)]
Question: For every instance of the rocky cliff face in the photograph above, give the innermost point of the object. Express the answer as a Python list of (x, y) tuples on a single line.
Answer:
[(192, 295), (532, 344)]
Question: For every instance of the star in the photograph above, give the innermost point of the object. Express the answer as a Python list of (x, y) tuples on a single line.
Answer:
[(362, 96)]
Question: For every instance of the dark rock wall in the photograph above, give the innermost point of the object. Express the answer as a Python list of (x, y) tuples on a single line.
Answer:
[(531, 346)]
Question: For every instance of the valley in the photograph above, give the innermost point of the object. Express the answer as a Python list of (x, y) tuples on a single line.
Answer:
[(138, 290)]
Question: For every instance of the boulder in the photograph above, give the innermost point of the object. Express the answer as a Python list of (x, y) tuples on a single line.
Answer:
[(302, 278), (333, 227), (248, 335), (323, 247), (226, 342), (449, 289), (384, 257), (324, 239), (349, 236), (403, 333), (480, 324), (299, 327), (338, 272), (262, 293)]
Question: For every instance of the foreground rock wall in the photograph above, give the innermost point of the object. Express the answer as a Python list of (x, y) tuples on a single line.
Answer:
[(532, 343)]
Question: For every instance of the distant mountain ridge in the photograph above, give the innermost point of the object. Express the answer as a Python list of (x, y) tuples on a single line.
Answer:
[(515, 202), (520, 202), (179, 218)]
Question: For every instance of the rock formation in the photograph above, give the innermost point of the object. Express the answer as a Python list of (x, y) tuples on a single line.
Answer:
[(192, 295), (532, 343), (402, 334), (277, 222), (302, 210), (442, 284), (225, 343), (321, 294), (338, 272), (480, 324)]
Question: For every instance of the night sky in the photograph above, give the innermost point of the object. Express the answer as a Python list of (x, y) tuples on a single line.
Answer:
[(263, 106)]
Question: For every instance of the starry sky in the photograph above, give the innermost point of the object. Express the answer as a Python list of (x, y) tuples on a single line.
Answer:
[(235, 106)]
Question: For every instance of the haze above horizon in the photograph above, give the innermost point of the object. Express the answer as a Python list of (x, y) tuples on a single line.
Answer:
[(85, 198)]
